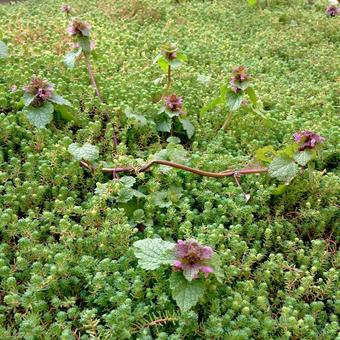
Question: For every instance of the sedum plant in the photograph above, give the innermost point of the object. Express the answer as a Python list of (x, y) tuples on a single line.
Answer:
[(235, 94), (172, 113), (41, 102), (191, 263)]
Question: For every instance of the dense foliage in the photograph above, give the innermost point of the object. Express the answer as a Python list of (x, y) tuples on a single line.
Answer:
[(69, 267)]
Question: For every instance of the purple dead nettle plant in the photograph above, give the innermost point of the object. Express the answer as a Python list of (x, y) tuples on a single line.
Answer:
[(172, 113), (169, 58), (192, 258), (65, 8), (193, 266), (80, 31), (41, 101), (236, 93), (333, 10), (307, 140), (285, 164)]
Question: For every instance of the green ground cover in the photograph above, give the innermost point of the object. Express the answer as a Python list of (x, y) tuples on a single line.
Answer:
[(67, 266)]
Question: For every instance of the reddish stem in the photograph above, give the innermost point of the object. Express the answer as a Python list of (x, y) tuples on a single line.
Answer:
[(92, 78), (145, 167)]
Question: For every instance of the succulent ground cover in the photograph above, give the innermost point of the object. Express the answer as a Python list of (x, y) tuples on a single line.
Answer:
[(94, 247)]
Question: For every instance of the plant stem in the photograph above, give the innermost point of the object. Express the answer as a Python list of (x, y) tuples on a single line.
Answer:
[(147, 166), (92, 78), (95, 86), (227, 120), (169, 79)]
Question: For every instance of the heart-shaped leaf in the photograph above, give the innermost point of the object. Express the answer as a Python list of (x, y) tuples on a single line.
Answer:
[(40, 116), (188, 127), (152, 253), (303, 157), (71, 57), (234, 100), (185, 293), (87, 152), (283, 168), (59, 100)]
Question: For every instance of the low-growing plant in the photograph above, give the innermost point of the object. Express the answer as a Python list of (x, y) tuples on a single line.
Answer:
[(168, 59), (41, 102), (236, 94), (80, 30), (284, 165), (172, 114), (333, 8), (191, 265)]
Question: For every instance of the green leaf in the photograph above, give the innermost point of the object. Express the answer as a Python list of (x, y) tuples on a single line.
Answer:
[(176, 63), (164, 124), (265, 154), (128, 181), (185, 293), (234, 100), (71, 57), (173, 140), (252, 96), (3, 50), (87, 152), (279, 190), (64, 112), (141, 120), (215, 263), (152, 253), (40, 116), (59, 100), (217, 101), (188, 127), (181, 56), (176, 153), (163, 64), (251, 3), (28, 99), (161, 199), (125, 194), (303, 157), (283, 168), (85, 44)]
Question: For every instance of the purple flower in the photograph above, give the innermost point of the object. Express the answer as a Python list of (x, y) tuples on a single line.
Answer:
[(307, 140), (192, 258), (79, 28), (66, 8), (14, 88), (169, 51), (40, 89), (174, 103), (332, 10), (239, 76)]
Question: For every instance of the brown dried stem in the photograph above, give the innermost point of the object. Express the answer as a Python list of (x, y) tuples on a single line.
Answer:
[(147, 166)]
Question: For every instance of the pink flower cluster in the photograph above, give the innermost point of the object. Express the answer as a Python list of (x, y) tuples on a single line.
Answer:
[(79, 28), (333, 10), (174, 103), (40, 89), (66, 8), (239, 76), (307, 140), (192, 258)]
